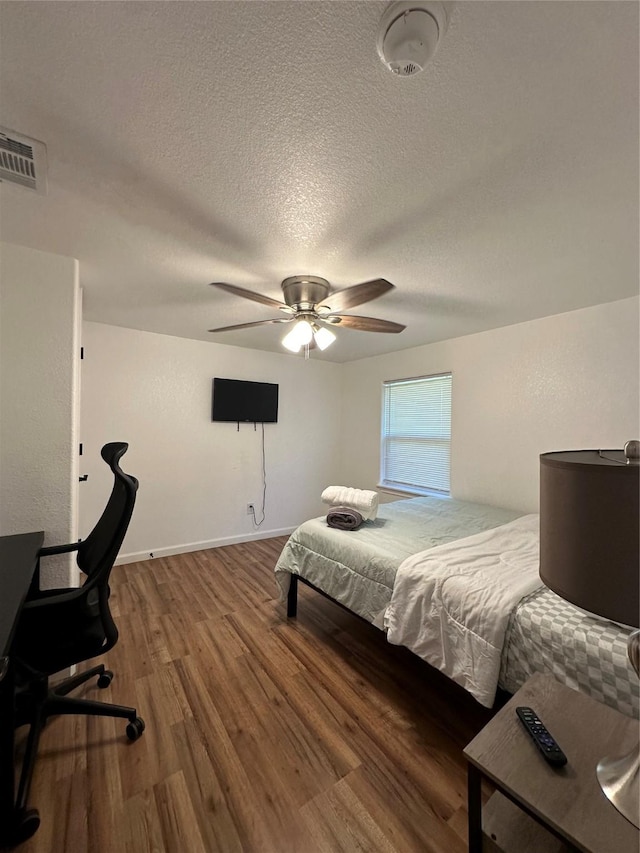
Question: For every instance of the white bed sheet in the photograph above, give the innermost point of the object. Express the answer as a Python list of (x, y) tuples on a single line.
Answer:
[(451, 604)]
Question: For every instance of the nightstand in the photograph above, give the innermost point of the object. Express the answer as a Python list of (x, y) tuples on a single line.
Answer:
[(537, 808)]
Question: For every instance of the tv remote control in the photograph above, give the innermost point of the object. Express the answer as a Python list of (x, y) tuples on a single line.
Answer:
[(541, 737)]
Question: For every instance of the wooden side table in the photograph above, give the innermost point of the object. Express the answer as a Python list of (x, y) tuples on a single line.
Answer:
[(538, 808)]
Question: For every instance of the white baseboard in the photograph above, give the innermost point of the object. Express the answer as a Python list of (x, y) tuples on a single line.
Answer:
[(201, 546)]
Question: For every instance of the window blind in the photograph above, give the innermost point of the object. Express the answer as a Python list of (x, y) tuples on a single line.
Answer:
[(416, 433)]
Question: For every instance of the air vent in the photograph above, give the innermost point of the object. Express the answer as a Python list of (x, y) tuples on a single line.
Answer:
[(23, 161)]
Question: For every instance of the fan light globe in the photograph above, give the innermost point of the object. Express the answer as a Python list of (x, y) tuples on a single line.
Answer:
[(300, 335), (323, 338)]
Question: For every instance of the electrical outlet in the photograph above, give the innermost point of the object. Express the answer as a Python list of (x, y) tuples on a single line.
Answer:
[(250, 509)]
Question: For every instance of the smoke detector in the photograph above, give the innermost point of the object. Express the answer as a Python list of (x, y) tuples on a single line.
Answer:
[(23, 161), (408, 35)]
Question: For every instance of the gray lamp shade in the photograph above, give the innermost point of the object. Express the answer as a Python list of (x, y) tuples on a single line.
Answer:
[(590, 531)]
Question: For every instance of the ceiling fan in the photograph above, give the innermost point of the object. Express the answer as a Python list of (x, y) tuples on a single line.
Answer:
[(308, 301)]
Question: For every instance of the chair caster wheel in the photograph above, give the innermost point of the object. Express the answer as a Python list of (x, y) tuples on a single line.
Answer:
[(105, 679), (135, 728), (27, 824)]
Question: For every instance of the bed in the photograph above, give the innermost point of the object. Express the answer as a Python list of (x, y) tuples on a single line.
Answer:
[(365, 570)]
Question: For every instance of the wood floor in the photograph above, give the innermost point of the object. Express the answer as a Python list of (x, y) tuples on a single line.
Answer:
[(263, 734)]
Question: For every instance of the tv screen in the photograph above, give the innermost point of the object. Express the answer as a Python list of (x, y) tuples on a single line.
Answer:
[(239, 401)]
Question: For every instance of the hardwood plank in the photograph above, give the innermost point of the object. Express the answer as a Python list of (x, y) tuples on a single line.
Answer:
[(104, 791), (154, 757), (264, 735), (143, 833), (217, 639), (178, 822), (326, 721), (70, 797), (409, 825), (351, 690), (217, 819), (262, 806), (340, 823), (61, 745)]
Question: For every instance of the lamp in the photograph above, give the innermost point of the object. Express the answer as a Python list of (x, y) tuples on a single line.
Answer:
[(589, 555), (300, 335), (323, 337), (304, 332)]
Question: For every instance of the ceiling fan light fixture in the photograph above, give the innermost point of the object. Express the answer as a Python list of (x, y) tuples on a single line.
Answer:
[(305, 306), (301, 334), (323, 338)]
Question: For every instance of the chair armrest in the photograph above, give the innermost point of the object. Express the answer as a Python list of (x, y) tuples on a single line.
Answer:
[(58, 549), (48, 551)]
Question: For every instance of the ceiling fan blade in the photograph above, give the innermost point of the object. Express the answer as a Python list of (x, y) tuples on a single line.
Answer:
[(249, 294), (362, 324), (341, 300), (252, 325)]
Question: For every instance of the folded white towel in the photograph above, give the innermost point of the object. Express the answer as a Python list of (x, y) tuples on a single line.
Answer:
[(364, 501)]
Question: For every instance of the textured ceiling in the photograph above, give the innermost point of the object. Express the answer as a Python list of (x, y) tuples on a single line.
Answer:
[(245, 142)]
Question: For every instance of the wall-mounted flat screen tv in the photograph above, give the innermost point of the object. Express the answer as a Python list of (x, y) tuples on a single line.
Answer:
[(239, 401)]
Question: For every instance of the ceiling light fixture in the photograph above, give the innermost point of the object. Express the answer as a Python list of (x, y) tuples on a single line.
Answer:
[(323, 337), (303, 333), (299, 336), (309, 300)]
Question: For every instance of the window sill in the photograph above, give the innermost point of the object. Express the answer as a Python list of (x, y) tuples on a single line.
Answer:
[(412, 493)]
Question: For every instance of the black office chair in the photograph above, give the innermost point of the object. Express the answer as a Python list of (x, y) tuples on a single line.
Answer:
[(62, 627)]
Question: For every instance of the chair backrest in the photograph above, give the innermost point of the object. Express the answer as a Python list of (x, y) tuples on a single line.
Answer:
[(62, 627), (98, 551)]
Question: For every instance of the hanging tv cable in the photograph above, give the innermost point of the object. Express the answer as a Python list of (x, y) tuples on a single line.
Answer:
[(257, 523)]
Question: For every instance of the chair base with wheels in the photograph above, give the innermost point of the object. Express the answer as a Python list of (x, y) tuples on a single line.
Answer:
[(37, 701), (57, 701)]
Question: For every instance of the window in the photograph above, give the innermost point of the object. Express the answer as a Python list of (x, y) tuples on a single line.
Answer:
[(416, 434)]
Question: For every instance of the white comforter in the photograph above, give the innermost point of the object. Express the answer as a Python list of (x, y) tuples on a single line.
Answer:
[(451, 604)]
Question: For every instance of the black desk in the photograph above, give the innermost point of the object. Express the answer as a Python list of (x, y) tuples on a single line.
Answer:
[(18, 560)]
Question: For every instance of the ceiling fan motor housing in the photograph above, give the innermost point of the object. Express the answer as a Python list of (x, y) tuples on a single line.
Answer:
[(305, 291), (408, 35)]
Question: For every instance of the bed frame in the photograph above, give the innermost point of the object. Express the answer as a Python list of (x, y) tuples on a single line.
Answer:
[(502, 696), (292, 597)]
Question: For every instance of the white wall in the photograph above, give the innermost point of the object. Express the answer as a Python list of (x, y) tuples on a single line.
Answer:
[(196, 477), (567, 381), (39, 348), (564, 382)]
